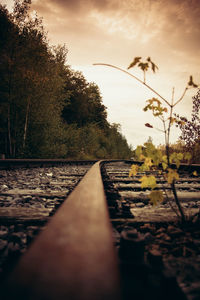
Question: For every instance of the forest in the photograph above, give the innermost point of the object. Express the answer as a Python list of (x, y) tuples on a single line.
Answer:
[(48, 110)]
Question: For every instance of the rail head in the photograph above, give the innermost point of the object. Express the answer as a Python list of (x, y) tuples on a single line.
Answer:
[(74, 257)]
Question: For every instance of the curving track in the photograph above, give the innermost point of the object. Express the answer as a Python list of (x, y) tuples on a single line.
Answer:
[(75, 256)]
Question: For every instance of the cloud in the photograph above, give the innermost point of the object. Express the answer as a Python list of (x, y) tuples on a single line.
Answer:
[(172, 25), (115, 31), (75, 7), (169, 22)]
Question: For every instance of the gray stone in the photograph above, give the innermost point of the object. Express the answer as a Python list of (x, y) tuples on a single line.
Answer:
[(4, 187), (139, 204)]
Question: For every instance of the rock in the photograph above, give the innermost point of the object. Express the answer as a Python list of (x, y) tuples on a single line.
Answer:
[(12, 247), (187, 252), (154, 257), (4, 187), (27, 198), (178, 251), (18, 237), (3, 233), (161, 229), (49, 174), (165, 244), (139, 204), (12, 228), (132, 246), (174, 231), (147, 227), (3, 244), (148, 237), (194, 290), (163, 236)]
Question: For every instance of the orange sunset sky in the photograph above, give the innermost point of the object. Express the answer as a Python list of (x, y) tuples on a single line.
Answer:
[(114, 32)]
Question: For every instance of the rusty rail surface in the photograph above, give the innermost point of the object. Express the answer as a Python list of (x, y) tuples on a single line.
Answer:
[(74, 257)]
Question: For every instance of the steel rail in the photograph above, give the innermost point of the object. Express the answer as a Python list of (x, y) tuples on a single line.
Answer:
[(74, 257), (30, 163), (12, 163)]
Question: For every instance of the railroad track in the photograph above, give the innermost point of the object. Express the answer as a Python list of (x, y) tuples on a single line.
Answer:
[(104, 241)]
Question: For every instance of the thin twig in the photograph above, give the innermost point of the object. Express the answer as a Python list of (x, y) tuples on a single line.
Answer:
[(169, 200), (122, 70), (173, 89), (179, 100), (177, 200)]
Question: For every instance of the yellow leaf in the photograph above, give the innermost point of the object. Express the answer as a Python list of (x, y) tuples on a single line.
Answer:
[(172, 120), (180, 156), (182, 123), (133, 171), (187, 156), (144, 181), (152, 182), (176, 158), (172, 175), (138, 151), (164, 162), (164, 165), (149, 181), (164, 158), (195, 173), (142, 157), (148, 162), (156, 197), (143, 168)]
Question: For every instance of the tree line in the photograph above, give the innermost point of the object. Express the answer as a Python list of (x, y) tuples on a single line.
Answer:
[(47, 109)]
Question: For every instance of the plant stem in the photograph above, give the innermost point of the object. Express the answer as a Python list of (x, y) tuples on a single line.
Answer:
[(144, 77), (169, 127), (177, 201), (179, 100), (122, 70), (166, 130), (169, 201)]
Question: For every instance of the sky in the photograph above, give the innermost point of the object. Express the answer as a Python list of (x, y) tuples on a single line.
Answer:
[(116, 31)]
